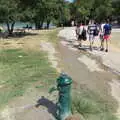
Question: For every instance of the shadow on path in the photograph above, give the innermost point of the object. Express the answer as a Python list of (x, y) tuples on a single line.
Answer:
[(83, 47), (19, 34), (52, 107), (86, 47)]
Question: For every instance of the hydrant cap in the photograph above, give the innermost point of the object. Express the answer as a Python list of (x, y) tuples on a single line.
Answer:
[(64, 79)]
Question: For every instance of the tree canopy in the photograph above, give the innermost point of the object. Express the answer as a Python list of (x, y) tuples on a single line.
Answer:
[(36, 11), (92, 9), (9, 13), (56, 11)]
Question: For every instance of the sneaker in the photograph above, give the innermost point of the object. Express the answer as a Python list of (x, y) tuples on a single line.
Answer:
[(80, 45), (102, 49), (106, 50), (90, 48)]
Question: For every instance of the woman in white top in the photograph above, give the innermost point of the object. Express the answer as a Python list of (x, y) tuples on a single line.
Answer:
[(102, 36), (79, 32)]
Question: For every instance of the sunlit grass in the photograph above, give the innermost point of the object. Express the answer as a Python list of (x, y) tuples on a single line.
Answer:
[(20, 69), (92, 107)]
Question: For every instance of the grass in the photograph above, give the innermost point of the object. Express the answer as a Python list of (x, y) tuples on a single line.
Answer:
[(92, 107), (115, 39), (89, 104), (21, 68), (53, 36)]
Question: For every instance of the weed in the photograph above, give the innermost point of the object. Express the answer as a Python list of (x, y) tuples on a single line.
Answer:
[(19, 69), (92, 108)]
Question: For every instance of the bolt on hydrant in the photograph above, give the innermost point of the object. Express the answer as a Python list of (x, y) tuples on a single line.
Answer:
[(64, 83)]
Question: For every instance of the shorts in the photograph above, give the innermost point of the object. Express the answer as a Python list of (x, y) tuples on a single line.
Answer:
[(106, 37), (101, 36), (91, 37)]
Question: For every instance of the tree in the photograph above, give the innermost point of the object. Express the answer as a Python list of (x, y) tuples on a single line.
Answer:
[(43, 11), (92, 9), (82, 9), (63, 12), (37, 11), (9, 13), (103, 9), (50, 10), (116, 9)]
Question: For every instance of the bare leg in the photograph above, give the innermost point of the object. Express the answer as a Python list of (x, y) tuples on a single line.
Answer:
[(102, 45), (91, 45), (80, 43), (92, 42), (91, 39), (106, 46)]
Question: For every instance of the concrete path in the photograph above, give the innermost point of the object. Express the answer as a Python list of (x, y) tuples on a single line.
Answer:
[(31, 106), (110, 59), (94, 71), (87, 72)]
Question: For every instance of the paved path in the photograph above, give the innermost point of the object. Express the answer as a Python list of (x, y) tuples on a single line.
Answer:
[(110, 59), (90, 70), (87, 72)]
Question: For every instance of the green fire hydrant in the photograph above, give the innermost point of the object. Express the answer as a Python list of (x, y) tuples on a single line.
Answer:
[(64, 101)]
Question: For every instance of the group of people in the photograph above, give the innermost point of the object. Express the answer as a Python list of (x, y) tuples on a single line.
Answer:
[(92, 30)]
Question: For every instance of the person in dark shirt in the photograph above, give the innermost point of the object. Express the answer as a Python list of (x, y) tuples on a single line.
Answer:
[(91, 32), (107, 33)]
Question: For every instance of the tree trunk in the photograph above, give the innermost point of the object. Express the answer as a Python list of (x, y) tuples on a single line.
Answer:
[(48, 23), (10, 27), (36, 25), (41, 24)]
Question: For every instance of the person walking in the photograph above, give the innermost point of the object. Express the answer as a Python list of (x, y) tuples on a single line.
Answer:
[(107, 33), (102, 36), (92, 32), (81, 33), (72, 23), (77, 30)]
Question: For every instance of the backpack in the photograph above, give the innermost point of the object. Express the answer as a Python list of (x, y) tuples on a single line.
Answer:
[(96, 32), (108, 29), (84, 34)]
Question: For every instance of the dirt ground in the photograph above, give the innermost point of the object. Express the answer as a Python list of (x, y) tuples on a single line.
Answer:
[(36, 103), (77, 63), (88, 71)]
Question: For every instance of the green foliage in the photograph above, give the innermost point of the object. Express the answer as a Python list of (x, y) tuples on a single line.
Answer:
[(116, 9), (81, 9), (92, 9), (46, 11), (9, 13), (8, 10), (20, 69), (92, 107), (57, 11), (37, 11)]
